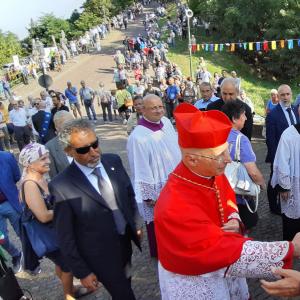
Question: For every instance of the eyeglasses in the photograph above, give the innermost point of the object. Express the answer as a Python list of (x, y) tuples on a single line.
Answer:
[(154, 108), (86, 149), (219, 159)]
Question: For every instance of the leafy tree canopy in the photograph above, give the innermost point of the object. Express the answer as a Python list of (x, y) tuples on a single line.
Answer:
[(9, 46)]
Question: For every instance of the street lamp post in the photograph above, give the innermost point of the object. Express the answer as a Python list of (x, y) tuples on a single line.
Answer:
[(189, 14)]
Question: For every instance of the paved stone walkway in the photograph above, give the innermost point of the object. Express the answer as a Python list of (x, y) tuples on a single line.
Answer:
[(113, 137)]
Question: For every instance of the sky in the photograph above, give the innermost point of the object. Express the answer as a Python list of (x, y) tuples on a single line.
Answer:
[(15, 15)]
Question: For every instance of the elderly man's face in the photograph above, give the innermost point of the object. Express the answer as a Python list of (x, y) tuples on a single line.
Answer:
[(285, 95), (84, 148), (228, 92), (207, 162), (153, 109)]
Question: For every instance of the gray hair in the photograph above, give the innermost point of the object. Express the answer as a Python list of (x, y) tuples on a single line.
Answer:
[(73, 126), (60, 118), (206, 84), (231, 81)]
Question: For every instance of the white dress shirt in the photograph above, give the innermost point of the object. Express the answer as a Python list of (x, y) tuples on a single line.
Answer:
[(18, 117), (88, 172)]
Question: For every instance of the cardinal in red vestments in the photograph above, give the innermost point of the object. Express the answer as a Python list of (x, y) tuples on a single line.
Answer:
[(202, 252)]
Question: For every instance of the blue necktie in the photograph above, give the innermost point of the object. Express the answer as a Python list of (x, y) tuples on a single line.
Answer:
[(290, 115)]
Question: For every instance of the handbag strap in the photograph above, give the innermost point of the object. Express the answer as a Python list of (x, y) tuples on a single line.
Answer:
[(237, 154), (255, 200)]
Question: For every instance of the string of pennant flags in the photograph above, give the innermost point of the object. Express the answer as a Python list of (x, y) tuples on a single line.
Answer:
[(251, 46)]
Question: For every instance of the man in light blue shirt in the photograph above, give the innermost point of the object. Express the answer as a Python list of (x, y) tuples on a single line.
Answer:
[(207, 94), (71, 94)]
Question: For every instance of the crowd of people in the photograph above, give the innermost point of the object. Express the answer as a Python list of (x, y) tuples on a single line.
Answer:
[(79, 208)]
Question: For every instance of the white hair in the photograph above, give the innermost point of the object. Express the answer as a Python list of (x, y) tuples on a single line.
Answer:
[(231, 81)]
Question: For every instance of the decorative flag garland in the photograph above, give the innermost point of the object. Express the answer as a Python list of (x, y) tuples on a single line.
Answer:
[(251, 46)]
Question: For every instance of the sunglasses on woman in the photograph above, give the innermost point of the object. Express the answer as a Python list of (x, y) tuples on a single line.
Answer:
[(86, 149)]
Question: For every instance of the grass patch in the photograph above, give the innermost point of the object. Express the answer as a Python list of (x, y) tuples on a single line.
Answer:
[(257, 89)]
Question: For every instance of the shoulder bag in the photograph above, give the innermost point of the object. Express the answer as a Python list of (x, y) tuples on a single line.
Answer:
[(239, 179), (42, 236)]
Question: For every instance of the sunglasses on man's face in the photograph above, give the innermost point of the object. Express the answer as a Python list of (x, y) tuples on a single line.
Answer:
[(86, 149)]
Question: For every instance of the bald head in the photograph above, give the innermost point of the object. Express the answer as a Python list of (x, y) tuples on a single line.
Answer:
[(152, 109)]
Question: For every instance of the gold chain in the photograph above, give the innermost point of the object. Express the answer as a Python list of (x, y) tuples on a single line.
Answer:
[(193, 182), (215, 189)]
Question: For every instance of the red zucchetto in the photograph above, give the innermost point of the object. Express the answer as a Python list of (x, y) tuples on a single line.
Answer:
[(201, 129)]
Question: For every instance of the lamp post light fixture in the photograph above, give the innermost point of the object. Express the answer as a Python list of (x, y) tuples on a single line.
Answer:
[(189, 14)]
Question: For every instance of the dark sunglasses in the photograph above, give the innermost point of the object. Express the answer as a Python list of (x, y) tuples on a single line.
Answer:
[(86, 149)]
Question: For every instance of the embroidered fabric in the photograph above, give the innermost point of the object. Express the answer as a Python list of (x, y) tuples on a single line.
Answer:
[(257, 258), (148, 191), (211, 286)]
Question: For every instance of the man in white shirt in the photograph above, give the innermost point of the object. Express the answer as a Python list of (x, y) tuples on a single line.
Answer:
[(22, 131), (48, 100)]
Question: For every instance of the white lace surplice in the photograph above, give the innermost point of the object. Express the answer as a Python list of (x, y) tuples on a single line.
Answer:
[(286, 171), (256, 261), (152, 157)]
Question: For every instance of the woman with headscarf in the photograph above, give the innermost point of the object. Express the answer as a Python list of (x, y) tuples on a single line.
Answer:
[(37, 201)]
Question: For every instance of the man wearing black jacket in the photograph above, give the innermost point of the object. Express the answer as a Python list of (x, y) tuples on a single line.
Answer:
[(230, 92)]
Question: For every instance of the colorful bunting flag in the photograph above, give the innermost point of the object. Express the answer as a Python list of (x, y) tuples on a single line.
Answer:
[(273, 45), (266, 46)]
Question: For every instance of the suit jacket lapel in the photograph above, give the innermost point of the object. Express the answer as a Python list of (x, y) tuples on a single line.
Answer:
[(283, 116), (84, 185)]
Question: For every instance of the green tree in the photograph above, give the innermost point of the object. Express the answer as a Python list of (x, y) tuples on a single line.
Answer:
[(256, 20), (9, 46), (47, 26)]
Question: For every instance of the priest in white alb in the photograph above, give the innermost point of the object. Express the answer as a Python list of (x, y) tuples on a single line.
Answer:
[(286, 180), (153, 153), (201, 250)]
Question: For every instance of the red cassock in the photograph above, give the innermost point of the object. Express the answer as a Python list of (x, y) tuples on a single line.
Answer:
[(188, 223)]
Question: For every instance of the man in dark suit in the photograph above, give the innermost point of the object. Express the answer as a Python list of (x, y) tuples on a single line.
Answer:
[(95, 213), (43, 124), (58, 157), (230, 92), (280, 118)]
